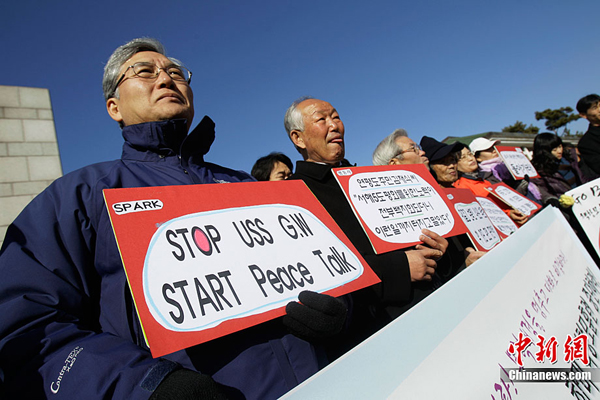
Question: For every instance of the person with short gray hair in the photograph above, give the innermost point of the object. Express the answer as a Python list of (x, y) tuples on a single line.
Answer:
[(120, 56), (69, 327), (293, 118), (397, 148)]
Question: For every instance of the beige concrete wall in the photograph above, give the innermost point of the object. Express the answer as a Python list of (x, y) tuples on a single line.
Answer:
[(29, 158)]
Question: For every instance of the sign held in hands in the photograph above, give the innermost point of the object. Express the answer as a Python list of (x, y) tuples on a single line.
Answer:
[(204, 261)]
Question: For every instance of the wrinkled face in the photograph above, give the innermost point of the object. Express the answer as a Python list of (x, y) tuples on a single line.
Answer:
[(410, 153), (147, 100), (466, 161), (445, 169), (280, 172), (487, 154), (323, 137), (593, 114), (557, 151)]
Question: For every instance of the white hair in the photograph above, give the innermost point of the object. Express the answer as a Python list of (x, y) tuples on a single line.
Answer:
[(293, 118), (388, 148)]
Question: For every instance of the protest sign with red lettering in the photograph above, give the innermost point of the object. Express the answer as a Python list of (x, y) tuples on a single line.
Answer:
[(203, 261), (393, 203), (514, 199), (517, 163), (481, 230)]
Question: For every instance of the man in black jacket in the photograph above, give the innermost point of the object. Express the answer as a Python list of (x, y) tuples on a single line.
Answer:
[(317, 132), (589, 145)]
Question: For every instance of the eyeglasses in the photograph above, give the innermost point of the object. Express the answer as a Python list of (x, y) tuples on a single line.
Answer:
[(462, 156), (414, 148), (147, 70)]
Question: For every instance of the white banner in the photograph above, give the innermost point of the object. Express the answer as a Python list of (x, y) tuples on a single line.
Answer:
[(455, 344)]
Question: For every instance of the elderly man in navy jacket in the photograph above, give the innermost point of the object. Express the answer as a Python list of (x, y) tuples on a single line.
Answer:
[(68, 325)]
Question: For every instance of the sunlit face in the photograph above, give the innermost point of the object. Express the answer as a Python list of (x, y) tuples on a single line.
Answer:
[(557, 151), (323, 137), (487, 154), (466, 162), (147, 100), (445, 170), (593, 114), (410, 153), (280, 172)]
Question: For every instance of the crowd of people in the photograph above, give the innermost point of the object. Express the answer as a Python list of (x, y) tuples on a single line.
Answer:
[(69, 327)]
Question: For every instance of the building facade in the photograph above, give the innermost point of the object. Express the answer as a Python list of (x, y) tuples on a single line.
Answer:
[(29, 157)]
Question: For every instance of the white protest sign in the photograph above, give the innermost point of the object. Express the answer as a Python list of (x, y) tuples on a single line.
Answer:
[(478, 223), (517, 163), (587, 210), (500, 220), (515, 200), (394, 205), (193, 295)]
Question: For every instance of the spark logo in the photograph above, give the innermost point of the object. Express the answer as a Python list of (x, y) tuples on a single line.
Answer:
[(136, 206)]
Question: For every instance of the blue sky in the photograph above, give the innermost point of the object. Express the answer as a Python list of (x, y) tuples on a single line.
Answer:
[(435, 68)]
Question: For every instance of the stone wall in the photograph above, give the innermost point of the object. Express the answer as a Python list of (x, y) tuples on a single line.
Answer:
[(29, 158)]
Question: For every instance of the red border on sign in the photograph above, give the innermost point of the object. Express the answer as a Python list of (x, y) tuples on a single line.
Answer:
[(382, 246), (134, 232)]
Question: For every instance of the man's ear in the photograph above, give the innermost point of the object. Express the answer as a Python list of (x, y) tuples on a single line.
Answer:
[(583, 116), (297, 139), (112, 106), (394, 161)]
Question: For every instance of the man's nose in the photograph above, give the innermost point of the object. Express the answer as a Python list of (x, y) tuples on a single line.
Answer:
[(164, 78), (334, 124)]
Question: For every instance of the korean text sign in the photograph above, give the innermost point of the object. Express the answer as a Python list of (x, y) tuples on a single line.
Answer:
[(514, 199), (394, 203), (204, 261), (587, 210), (481, 230), (517, 163), (501, 221)]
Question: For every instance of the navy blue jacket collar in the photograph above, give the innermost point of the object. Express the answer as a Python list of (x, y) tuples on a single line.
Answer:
[(149, 140)]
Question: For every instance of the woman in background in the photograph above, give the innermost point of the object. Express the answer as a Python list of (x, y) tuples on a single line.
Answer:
[(547, 155)]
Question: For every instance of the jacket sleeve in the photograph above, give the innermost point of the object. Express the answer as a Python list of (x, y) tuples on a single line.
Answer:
[(590, 156), (51, 341)]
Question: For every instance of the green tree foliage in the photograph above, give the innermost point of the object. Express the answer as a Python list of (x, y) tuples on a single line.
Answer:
[(556, 119), (520, 127)]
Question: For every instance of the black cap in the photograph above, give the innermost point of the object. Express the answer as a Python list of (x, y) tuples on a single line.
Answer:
[(435, 150)]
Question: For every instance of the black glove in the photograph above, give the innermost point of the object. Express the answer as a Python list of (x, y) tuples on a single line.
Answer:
[(317, 316), (185, 384)]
